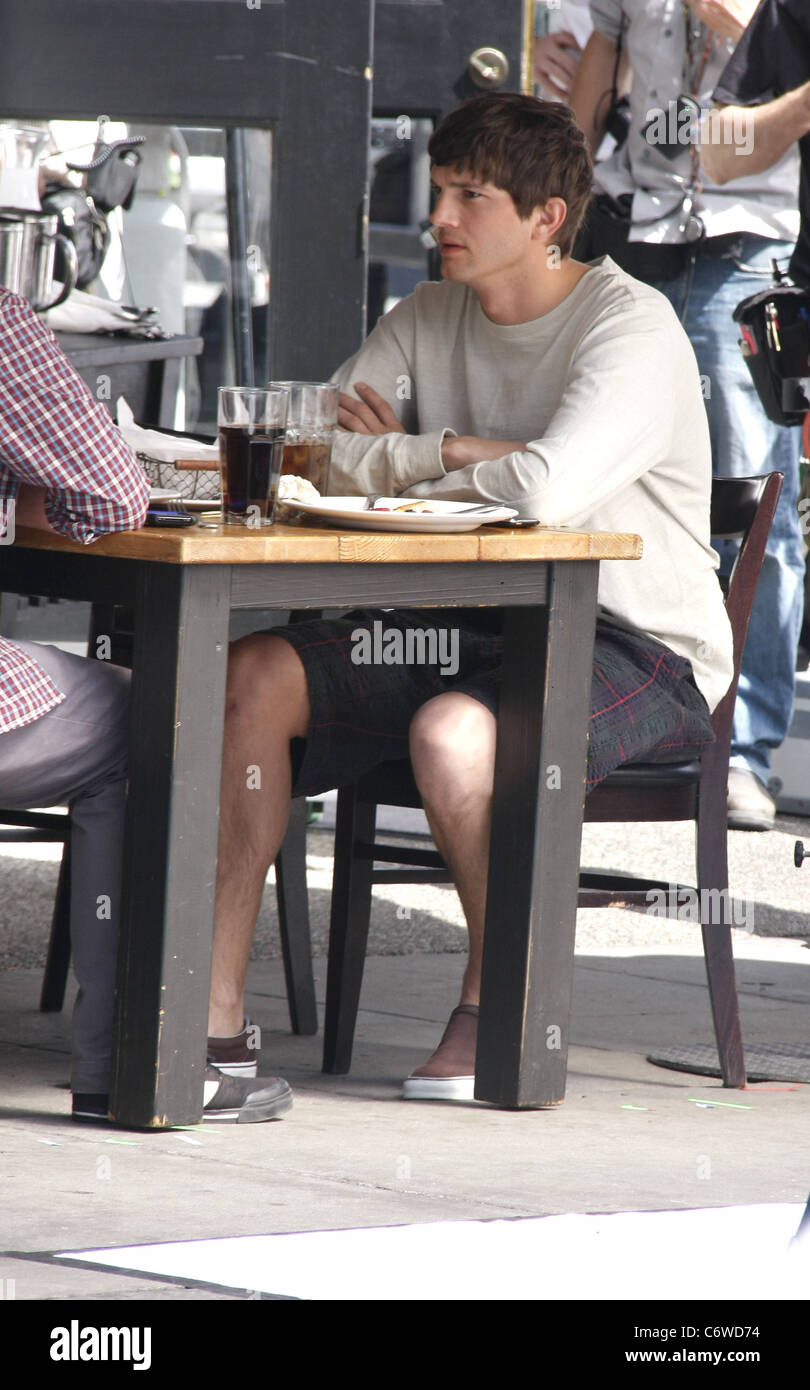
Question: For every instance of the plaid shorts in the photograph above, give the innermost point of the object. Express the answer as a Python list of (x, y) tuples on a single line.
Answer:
[(369, 672)]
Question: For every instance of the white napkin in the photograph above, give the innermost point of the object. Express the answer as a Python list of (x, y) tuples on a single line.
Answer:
[(89, 313), (164, 447)]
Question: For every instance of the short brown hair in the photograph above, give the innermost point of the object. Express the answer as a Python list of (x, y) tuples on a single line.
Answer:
[(533, 149)]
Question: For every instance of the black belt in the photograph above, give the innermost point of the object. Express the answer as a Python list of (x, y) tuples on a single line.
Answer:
[(718, 248)]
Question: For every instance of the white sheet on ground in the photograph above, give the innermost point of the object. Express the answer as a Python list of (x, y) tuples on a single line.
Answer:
[(711, 1253)]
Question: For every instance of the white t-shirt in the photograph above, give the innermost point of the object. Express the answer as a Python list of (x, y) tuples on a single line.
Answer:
[(606, 392)]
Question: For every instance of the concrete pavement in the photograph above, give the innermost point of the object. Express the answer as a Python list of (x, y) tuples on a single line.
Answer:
[(630, 1136)]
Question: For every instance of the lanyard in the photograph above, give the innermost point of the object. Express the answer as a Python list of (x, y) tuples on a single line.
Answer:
[(695, 71)]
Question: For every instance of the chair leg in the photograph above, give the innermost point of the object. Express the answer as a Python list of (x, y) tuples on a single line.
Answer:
[(723, 995), (712, 858), (293, 916), (348, 929), (52, 995)]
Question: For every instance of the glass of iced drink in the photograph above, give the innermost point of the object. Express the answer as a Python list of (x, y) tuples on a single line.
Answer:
[(252, 422), (311, 424)]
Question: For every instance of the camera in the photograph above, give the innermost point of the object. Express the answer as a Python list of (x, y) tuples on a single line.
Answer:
[(673, 130)]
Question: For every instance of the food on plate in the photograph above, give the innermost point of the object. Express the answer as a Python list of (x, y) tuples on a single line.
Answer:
[(412, 507), (292, 488)]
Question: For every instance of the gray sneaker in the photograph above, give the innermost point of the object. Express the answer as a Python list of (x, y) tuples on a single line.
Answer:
[(241, 1100)]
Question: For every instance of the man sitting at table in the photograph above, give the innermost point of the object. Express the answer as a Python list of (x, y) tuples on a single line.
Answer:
[(64, 725), (565, 390)]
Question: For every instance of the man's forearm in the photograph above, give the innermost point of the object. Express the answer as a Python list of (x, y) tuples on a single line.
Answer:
[(590, 94), (742, 140), (460, 450), (383, 463)]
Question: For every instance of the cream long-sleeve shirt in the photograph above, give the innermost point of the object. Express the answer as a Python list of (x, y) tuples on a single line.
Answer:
[(606, 392)]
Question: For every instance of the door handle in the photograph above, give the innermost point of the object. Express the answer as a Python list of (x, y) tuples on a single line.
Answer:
[(488, 67)]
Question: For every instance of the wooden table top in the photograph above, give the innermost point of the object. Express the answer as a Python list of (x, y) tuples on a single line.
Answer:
[(308, 544)]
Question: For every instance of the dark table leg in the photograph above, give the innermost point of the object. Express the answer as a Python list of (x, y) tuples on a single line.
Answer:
[(178, 693), (536, 834)]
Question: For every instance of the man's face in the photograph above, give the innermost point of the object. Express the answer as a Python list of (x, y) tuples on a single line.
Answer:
[(483, 241)]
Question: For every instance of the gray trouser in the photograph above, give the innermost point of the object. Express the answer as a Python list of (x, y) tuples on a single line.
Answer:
[(77, 753)]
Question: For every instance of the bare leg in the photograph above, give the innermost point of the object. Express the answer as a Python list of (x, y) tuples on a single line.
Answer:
[(453, 756), (266, 705)]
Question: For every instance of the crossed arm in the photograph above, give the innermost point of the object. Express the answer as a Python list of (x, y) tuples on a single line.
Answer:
[(607, 428), (372, 414)]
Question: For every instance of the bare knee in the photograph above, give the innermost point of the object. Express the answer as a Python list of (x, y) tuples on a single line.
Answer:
[(453, 735), (266, 680)]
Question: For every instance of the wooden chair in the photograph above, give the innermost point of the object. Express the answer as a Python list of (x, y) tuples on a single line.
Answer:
[(695, 790)]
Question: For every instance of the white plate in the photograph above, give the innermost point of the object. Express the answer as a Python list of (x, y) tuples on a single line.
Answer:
[(449, 516)]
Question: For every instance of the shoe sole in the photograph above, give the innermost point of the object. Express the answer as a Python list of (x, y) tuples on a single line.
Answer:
[(438, 1088), (253, 1114), (740, 821)]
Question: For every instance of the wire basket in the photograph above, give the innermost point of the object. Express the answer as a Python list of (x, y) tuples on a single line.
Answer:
[(201, 484)]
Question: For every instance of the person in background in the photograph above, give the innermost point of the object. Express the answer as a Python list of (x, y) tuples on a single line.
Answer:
[(706, 248), (64, 719), (762, 108)]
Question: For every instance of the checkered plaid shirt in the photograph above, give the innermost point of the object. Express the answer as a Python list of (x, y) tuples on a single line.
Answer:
[(53, 434)]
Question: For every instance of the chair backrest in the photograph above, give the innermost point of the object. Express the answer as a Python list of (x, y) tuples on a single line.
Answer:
[(741, 507)]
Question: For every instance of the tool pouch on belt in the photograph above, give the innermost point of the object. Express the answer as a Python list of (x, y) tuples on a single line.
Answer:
[(775, 342)]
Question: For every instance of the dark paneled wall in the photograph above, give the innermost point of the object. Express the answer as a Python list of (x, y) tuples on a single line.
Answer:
[(300, 66)]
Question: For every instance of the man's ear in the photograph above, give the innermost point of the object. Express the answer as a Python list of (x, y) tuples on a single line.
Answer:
[(548, 218)]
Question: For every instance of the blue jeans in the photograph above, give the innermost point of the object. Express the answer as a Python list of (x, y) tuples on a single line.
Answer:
[(744, 442)]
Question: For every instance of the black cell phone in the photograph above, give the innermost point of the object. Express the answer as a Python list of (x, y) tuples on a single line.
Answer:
[(517, 521), (157, 517)]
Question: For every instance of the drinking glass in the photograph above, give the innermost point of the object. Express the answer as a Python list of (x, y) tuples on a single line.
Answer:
[(311, 424), (252, 421)]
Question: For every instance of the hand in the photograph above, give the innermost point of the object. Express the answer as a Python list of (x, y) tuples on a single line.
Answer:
[(47, 173), (554, 66), (458, 451), (728, 18), (371, 414)]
